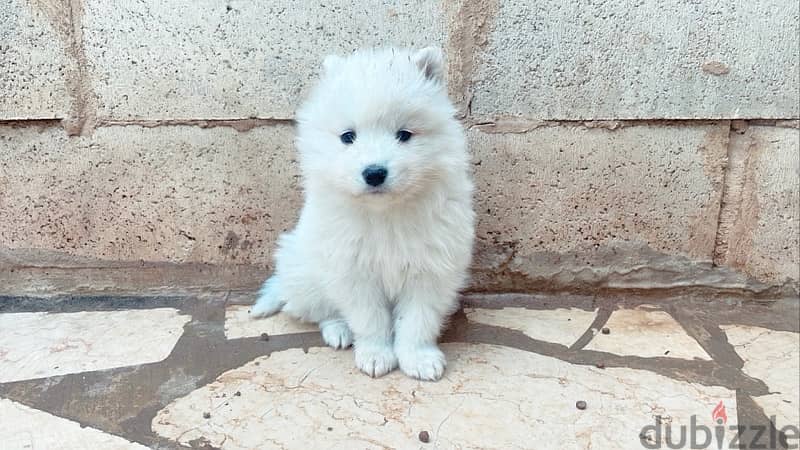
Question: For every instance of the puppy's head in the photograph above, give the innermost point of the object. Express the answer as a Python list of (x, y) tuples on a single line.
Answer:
[(379, 128)]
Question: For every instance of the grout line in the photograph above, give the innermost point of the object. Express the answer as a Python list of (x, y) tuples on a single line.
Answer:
[(239, 124), (498, 126), (470, 23), (720, 247), (20, 122), (511, 125), (708, 335), (756, 430), (603, 314), (84, 110), (734, 179)]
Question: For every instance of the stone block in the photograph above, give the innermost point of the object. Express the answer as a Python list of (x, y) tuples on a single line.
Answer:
[(178, 194), (210, 60), (570, 205), (36, 65), (638, 59)]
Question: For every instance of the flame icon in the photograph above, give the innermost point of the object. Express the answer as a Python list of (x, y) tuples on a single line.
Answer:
[(719, 415)]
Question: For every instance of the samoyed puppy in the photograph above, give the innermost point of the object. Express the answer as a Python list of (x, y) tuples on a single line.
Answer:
[(385, 236)]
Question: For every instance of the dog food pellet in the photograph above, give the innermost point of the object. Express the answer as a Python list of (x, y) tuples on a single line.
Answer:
[(206, 415), (264, 337), (600, 365), (424, 437), (237, 394), (580, 405), (330, 428), (605, 331)]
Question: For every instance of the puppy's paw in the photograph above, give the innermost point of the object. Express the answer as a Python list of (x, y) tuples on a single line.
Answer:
[(265, 306), (267, 303), (336, 333), (375, 360), (423, 363)]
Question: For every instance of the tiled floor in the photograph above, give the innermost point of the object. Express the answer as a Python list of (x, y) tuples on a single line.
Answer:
[(532, 372)]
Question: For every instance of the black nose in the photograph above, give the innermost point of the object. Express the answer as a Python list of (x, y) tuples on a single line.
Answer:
[(374, 175)]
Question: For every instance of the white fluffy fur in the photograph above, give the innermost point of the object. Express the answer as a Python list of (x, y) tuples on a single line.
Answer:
[(380, 270)]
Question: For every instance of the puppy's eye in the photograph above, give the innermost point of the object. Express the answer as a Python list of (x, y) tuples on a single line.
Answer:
[(348, 137), (403, 135)]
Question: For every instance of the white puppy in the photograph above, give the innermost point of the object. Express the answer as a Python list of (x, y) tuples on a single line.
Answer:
[(384, 239)]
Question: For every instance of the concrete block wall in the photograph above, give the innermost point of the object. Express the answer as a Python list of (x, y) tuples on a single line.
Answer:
[(616, 145)]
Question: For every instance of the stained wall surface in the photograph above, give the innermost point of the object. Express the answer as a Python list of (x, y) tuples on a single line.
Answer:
[(630, 144)]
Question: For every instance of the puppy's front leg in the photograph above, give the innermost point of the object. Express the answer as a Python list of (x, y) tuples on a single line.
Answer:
[(367, 312), (419, 314)]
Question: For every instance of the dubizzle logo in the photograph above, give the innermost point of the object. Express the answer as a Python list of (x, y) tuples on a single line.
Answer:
[(697, 436), (719, 415)]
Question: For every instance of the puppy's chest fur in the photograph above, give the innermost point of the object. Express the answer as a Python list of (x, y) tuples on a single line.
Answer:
[(394, 246)]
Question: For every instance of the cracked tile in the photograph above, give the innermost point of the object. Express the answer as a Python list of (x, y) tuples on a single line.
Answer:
[(36, 345), (647, 333), (238, 324), (26, 428), (774, 358), (491, 397), (561, 326)]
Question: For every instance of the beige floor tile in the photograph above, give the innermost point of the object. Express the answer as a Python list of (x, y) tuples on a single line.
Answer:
[(561, 326), (22, 427), (36, 345), (647, 333), (491, 397), (774, 358), (238, 324)]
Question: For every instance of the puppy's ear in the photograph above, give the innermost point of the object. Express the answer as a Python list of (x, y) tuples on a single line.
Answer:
[(332, 63), (431, 62)]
